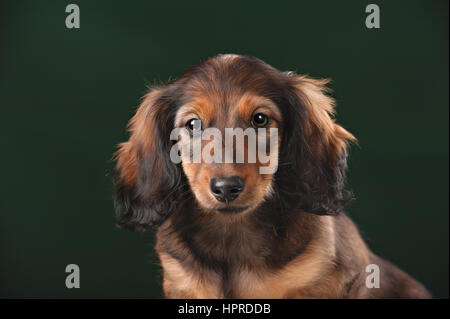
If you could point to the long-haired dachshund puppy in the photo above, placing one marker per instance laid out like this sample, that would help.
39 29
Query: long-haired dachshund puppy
224 229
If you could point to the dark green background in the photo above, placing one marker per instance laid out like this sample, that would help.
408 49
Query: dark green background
66 96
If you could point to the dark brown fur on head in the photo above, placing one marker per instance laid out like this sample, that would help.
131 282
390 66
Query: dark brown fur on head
312 151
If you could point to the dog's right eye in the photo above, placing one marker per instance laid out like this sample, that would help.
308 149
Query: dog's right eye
193 124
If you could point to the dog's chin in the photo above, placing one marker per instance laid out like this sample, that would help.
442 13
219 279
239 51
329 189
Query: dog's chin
232 210
227 209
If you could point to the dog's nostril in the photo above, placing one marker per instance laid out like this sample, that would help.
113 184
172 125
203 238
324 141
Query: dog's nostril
226 189
216 191
235 190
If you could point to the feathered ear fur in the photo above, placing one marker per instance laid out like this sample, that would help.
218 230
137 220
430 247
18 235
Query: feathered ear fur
314 151
147 182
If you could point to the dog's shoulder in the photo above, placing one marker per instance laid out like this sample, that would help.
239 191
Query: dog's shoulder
395 283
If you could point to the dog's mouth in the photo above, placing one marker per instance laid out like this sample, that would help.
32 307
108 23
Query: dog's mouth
232 209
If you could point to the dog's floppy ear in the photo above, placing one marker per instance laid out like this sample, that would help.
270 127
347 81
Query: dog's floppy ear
147 182
315 151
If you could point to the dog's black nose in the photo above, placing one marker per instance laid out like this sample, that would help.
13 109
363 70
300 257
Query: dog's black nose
226 189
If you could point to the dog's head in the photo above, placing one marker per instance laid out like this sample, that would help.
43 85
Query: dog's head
306 160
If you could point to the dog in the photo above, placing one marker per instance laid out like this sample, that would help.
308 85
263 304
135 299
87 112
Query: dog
224 230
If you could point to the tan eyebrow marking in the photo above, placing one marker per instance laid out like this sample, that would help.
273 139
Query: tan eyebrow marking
199 107
184 113
250 103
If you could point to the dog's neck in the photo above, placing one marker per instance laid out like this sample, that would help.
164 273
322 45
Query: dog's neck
266 237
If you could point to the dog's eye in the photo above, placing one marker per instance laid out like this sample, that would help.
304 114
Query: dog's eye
193 124
260 120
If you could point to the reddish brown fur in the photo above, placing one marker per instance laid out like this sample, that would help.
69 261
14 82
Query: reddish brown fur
272 249
139 144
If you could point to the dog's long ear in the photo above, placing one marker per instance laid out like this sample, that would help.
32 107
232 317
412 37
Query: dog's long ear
147 182
315 151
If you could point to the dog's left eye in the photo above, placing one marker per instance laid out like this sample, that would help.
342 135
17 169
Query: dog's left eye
260 120
193 124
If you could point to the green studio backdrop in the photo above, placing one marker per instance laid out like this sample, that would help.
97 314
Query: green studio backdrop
66 96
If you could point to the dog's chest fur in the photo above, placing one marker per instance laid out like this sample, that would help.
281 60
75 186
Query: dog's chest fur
248 259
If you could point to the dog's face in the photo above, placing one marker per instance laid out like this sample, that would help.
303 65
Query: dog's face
232 187
232 92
